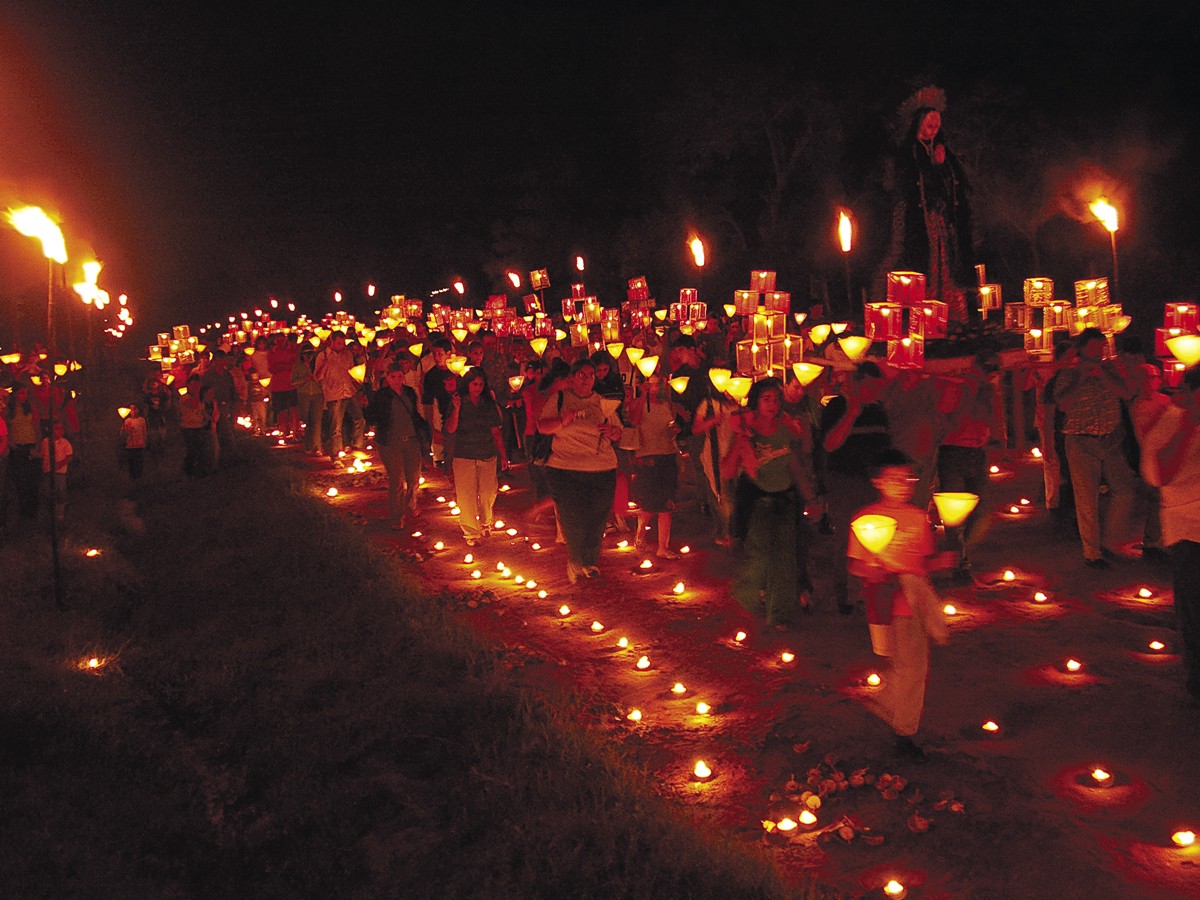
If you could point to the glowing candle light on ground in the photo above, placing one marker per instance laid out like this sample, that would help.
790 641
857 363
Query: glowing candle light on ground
1040 597
476 574
785 825
1157 646
1073 665
542 595
685 549
646 564
678 688
807 818
701 770
417 534
1009 575
623 643
703 708
332 492
990 726
621 545
994 470
439 545
469 558
874 680
895 890
531 584
635 715
597 627
511 532
643 662
950 609
1183 838
1145 593
564 610
1101 777
92 552
678 589
1036 453
787 656
535 546
740 636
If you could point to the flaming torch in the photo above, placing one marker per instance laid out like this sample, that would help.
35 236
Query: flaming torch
32 221
1107 214
846 239
697 247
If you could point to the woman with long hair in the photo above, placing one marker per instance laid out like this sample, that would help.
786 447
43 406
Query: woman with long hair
474 421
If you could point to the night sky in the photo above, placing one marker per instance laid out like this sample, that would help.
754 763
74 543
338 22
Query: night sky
213 158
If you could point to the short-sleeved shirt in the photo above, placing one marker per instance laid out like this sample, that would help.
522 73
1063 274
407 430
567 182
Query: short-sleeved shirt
773 453
579 446
908 552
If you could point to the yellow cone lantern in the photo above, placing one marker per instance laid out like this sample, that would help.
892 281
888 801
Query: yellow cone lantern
807 373
954 506
615 349
719 378
680 383
359 372
538 344
123 411
874 532
739 387
1185 348
646 365
819 334
854 346
456 364
634 354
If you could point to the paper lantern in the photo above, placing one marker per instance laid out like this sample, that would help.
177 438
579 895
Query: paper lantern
905 288
646 365
874 532
634 354
954 506
1182 315
1091 292
807 373
719 378
1039 291
819 334
854 346
1185 348
539 345
739 387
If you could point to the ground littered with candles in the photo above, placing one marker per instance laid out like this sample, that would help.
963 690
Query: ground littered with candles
1075 788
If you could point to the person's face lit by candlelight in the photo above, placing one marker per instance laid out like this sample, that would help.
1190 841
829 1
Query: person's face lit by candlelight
930 126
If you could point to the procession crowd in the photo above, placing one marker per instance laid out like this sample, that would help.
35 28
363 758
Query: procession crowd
604 446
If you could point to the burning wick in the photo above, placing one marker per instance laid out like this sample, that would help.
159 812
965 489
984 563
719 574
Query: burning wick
535 546
1101 777
564 610
635 715
597 627
1009 575
531 584
679 688
1156 646
438 545
1184 838
417 534
468 559
499 524
785 824
476 574
512 532
332 492
787 656
623 643
621 545
1145 593
93 663
643 663
989 725
702 771
1014 509
92 552
506 572
685 549
1036 452
703 708
950 609
678 589
441 499
646 564
895 890
994 470
874 680
740 636
1074 665
542 595
520 579
1040 597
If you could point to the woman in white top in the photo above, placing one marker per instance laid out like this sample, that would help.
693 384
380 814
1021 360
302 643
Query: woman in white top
582 468
656 477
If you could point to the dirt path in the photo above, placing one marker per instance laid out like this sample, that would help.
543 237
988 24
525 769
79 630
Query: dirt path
1013 813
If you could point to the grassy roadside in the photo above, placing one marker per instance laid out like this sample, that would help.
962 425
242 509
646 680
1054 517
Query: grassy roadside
288 715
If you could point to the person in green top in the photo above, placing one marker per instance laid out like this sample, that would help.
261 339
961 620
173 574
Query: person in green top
769 483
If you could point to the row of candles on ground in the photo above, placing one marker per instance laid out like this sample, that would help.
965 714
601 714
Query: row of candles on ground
954 508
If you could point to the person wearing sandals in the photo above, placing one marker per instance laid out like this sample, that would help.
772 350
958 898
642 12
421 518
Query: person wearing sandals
656 476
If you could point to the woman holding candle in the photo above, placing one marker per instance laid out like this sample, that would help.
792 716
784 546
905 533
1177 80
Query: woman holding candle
770 488
401 434
582 469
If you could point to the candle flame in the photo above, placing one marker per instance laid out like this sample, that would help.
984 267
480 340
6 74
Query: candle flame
1100 776
702 770
989 725
635 715
874 680
1184 838
644 662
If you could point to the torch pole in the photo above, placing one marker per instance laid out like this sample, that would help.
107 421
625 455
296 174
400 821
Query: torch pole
1115 285
849 293
59 602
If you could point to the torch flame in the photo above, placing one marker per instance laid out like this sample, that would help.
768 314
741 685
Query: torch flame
1105 212
32 221
697 248
845 231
